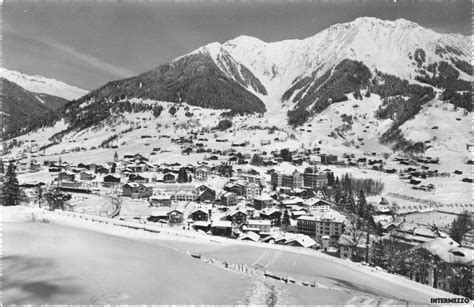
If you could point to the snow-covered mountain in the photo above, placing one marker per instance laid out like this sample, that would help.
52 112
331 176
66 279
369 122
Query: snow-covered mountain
400 48
359 84
40 84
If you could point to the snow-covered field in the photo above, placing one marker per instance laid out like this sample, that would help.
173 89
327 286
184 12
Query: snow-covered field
74 261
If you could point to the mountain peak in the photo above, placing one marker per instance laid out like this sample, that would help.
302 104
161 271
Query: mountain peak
400 22
41 84
245 39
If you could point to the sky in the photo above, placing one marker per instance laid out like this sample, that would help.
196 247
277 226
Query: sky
88 44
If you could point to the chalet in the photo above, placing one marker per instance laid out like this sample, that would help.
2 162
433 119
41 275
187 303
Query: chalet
101 170
292 201
262 201
199 214
135 157
169 178
449 255
249 236
86 176
273 215
137 178
67 176
202 226
137 167
201 173
158 215
160 199
111 180
221 228
259 225
348 249
228 199
136 190
175 216
204 193
317 204
302 241
238 216
82 166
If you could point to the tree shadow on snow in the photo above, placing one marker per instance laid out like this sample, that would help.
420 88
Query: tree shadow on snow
358 287
33 280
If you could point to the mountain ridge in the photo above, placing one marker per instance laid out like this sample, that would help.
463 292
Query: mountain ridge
43 85
292 81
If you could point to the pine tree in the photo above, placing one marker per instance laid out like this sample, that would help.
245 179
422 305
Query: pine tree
379 254
39 194
361 204
351 202
286 219
11 189
56 199
182 175
331 180
460 226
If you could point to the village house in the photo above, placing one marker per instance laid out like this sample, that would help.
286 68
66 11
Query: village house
228 199
66 176
175 216
259 226
111 180
262 201
273 215
413 234
160 199
137 178
85 176
199 214
204 193
100 169
169 178
221 228
160 214
136 190
449 256
249 236
302 241
317 204
201 172
238 216
348 249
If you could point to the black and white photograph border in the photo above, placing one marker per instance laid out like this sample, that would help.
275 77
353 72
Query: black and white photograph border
236 153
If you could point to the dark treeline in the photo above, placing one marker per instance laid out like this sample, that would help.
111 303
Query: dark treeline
347 77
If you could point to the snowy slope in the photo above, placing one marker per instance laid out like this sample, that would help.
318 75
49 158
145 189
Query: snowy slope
40 84
385 46
380 44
